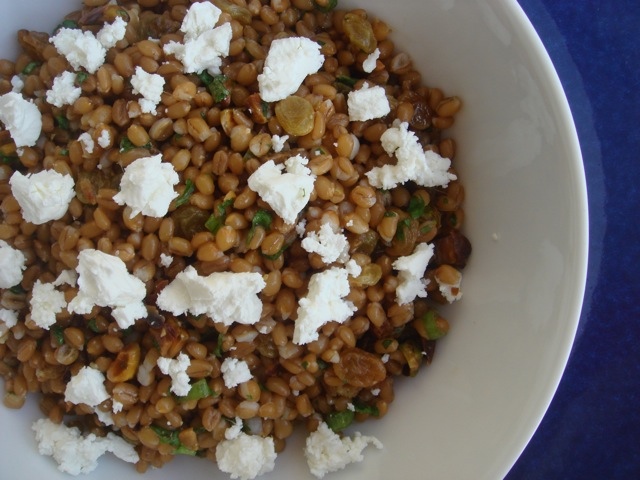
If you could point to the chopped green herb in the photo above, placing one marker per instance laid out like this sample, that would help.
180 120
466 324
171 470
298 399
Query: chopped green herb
345 80
402 226
199 389
218 350
338 421
215 84
386 342
416 206
62 122
58 334
171 437
322 365
276 255
81 77
361 407
30 67
305 364
215 222
390 213
17 290
189 188
264 107
121 12
12 160
64 151
67 23
263 219
325 6
126 145
93 326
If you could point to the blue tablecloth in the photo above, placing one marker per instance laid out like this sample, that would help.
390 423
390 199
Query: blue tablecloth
592 429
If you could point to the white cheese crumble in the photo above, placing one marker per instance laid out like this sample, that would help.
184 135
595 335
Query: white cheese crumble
150 86
246 456
22 118
330 244
81 48
13 264
204 46
287 193
369 64
86 386
104 281
104 140
277 142
75 453
63 91
86 140
324 303
45 303
68 277
147 186
166 260
17 84
234 430
450 291
235 372
288 63
112 33
177 370
367 103
411 281
226 297
424 168
8 319
326 452
42 196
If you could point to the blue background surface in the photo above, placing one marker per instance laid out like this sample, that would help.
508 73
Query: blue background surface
592 428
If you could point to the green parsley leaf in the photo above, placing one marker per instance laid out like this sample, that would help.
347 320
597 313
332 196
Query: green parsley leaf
171 437
338 421
189 188
30 67
58 334
93 326
218 350
81 77
215 222
199 389
325 6
416 206
67 23
346 80
361 407
12 160
62 122
215 84
17 290
263 219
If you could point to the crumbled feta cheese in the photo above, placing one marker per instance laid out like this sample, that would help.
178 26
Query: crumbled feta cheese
150 86
13 264
369 64
166 260
324 303
147 186
288 63
235 372
86 386
234 430
22 118
204 46
81 48
424 168
68 277
112 33
277 142
86 141
104 140
177 370
63 91
106 418
385 358
17 84
330 244
45 303
367 103
200 18
301 228
246 456
450 291
8 319
352 268
104 281
224 296
42 196
411 281
116 406
75 453
375 392
326 452
287 193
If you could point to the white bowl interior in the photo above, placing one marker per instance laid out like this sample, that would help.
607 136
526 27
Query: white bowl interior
471 413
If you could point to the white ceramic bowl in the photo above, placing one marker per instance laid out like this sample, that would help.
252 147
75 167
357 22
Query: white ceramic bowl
471 413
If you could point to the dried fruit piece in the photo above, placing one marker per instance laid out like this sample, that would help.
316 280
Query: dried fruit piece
359 368
359 32
295 115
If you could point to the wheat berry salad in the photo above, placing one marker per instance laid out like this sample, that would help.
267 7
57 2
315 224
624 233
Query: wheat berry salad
220 221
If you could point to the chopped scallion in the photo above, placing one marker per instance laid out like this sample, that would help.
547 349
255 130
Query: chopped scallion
189 188
338 421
